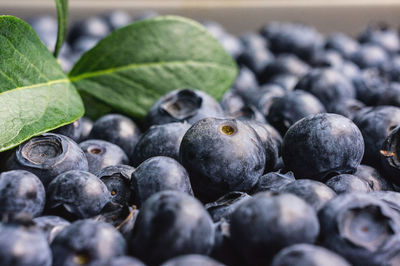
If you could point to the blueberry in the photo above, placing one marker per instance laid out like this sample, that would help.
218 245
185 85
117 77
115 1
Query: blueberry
231 44
327 84
373 178
276 137
101 153
85 241
349 69
383 36
193 260
157 174
370 87
299 39
284 64
119 261
346 183
80 193
370 56
292 107
306 254
342 43
21 191
390 95
347 107
46 29
391 198
47 156
313 192
256 58
183 105
160 140
375 125
170 224
266 223
51 225
223 207
222 155
73 130
389 161
326 58
246 82
117 129
361 228
84 43
265 97
224 250
321 145
117 19
286 81
86 125
273 181
95 27
248 113
117 179
253 40
232 101
23 245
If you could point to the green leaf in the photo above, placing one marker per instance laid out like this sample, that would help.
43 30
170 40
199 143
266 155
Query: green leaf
62 15
35 94
130 69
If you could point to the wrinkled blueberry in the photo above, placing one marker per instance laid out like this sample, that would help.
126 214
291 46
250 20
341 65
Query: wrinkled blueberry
80 193
361 228
158 174
222 155
47 156
117 129
85 241
306 254
224 206
101 153
23 245
313 192
170 224
183 105
273 181
21 191
346 183
264 224
321 145
51 225
117 179
160 140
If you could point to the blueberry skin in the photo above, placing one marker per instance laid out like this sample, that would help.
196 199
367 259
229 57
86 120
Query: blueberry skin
51 225
72 130
21 191
375 125
273 181
21 246
345 107
170 224
117 129
342 43
370 87
248 113
47 156
391 198
346 183
157 174
362 229
332 143
101 153
117 179
193 260
86 125
390 163
284 64
222 155
391 95
223 207
232 102
85 241
296 38
308 255
80 193
370 175
183 105
313 192
119 261
264 224
265 97
327 84
160 140
292 107
370 56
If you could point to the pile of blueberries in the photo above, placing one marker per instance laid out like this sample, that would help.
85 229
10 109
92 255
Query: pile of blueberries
297 165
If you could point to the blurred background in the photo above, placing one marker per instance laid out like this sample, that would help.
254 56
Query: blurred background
237 16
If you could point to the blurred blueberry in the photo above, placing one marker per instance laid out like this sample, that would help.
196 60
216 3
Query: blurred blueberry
346 183
51 225
342 43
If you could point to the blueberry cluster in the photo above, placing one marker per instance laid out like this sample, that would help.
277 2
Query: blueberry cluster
296 165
